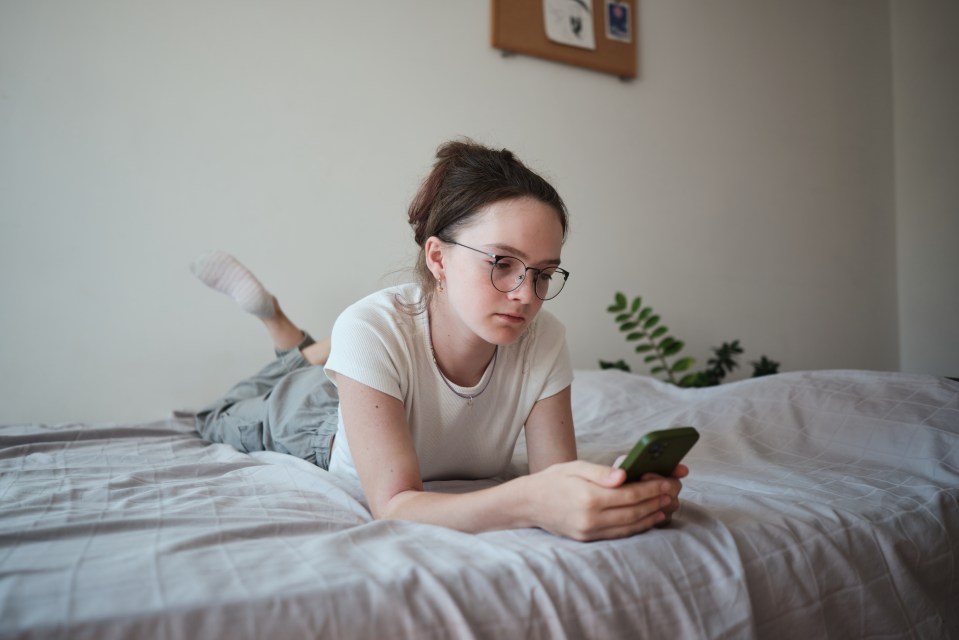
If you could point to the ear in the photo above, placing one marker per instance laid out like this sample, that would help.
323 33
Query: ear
435 258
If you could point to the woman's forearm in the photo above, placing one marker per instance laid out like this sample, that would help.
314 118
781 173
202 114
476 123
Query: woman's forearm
503 506
576 499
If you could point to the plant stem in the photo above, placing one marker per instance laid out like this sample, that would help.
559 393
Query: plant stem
662 358
669 374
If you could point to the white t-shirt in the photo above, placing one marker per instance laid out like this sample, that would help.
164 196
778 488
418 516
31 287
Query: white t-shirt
383 345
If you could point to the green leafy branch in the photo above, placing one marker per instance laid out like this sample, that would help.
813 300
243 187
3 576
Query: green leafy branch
641 325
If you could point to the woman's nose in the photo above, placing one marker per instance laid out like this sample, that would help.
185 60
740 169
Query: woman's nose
525 292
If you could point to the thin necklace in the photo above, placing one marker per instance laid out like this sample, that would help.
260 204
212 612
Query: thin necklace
465 396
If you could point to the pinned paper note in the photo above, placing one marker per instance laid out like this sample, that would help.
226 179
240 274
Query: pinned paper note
570 22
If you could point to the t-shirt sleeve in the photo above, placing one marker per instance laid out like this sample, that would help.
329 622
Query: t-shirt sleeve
553 353
366 346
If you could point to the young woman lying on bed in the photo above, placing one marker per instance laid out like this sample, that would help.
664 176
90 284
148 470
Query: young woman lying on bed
434 380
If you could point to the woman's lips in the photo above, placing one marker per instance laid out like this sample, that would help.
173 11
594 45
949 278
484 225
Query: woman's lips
508 317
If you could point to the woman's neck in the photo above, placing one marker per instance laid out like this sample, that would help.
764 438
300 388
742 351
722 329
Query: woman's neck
461 355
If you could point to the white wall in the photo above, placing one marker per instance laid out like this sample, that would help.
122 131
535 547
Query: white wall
926 98
743 185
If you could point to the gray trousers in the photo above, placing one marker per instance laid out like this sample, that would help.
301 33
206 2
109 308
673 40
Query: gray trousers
289 406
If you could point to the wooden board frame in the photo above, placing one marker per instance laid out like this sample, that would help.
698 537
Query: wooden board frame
518 26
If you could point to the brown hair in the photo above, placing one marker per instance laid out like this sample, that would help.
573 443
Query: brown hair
465 178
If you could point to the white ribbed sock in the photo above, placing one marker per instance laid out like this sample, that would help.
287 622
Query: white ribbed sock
221 271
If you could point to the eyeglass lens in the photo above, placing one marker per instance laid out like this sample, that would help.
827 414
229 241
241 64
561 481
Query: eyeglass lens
509 273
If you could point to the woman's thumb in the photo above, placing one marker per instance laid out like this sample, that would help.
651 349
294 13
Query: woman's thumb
601 474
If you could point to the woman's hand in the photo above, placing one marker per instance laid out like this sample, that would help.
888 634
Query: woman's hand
587 501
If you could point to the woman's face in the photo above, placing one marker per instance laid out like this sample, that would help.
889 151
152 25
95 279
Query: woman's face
523 228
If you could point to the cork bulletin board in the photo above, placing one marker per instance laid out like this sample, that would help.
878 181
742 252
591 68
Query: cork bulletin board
595 34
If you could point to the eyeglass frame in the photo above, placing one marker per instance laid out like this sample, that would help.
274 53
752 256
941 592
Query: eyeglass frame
496 258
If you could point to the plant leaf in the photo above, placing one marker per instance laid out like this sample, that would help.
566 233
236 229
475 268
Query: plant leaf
628 326
682 365
652 321
650 358
635 336
688 380
637 303
619 364
764 367
643 348
660 330
645 313
675 347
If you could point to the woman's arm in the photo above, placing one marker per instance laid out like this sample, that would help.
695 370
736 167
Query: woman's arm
577 499
550 438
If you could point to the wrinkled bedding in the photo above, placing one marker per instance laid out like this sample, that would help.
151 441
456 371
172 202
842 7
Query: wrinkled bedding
820 504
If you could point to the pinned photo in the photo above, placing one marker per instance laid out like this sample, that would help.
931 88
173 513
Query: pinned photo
570 22
617 21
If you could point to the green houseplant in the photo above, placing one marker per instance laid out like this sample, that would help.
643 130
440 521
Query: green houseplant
662 352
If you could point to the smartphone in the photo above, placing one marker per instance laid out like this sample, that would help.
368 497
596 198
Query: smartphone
659 452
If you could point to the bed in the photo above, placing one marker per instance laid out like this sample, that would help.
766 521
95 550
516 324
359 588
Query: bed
820 504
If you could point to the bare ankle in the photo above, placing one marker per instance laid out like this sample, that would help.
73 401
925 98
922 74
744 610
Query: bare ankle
284 333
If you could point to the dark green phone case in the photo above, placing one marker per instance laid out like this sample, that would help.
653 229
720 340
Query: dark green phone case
659 452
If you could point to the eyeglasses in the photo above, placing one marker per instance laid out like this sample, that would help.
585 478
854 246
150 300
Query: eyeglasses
508 274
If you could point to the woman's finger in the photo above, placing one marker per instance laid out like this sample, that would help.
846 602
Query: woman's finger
630 527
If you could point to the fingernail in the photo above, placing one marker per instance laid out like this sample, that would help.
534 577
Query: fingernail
664 487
